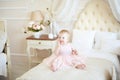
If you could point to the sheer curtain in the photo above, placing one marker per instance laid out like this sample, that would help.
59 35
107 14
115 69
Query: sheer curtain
115 7
66 12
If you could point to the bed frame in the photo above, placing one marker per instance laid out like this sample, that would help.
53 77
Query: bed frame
97 16
6 48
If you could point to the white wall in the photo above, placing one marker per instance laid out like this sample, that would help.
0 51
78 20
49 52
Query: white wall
17 14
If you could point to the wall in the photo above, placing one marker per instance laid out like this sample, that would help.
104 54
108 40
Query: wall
17 14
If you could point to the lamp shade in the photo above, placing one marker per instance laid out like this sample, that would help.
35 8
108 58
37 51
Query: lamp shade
37 16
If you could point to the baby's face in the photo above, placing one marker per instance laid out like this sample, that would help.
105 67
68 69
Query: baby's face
63 38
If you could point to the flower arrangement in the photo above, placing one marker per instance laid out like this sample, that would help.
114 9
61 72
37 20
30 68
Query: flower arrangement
39 22
35 27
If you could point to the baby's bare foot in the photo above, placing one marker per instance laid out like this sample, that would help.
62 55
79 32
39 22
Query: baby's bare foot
81 66
53 69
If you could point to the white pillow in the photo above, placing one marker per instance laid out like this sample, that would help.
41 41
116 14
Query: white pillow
111 46
99 36
3 38
83 40
118 36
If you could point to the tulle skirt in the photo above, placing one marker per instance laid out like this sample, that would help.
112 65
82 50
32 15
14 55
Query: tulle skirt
64 61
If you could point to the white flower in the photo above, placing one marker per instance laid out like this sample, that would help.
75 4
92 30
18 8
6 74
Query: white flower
35 27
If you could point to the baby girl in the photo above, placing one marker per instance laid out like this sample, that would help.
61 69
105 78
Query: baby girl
65 56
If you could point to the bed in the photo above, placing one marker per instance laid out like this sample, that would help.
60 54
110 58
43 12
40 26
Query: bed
93 34
4 50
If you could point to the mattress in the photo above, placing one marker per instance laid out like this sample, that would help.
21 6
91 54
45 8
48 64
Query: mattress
96 68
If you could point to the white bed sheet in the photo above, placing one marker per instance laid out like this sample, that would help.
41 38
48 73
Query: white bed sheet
100 54
97 68
3 67
103 55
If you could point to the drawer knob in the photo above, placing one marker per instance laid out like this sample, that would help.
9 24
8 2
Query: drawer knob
39 43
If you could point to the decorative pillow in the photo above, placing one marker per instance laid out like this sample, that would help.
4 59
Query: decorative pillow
83 40
3 38
99 36
111 46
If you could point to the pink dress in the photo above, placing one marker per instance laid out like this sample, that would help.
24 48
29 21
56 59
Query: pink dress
64 59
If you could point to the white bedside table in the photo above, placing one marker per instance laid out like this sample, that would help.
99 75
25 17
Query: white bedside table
39 43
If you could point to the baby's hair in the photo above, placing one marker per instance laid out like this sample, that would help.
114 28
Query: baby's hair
64 31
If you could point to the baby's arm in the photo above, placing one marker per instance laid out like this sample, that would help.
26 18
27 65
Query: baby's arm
56 50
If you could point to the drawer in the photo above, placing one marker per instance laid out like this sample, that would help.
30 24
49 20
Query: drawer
40 42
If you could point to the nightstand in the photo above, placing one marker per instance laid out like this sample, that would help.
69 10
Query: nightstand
39 43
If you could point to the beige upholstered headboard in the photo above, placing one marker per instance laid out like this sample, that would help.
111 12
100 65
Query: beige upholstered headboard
97 15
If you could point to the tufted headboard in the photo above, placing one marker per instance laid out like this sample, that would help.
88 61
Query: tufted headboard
97 15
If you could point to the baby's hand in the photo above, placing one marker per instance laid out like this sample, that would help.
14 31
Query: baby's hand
74 52
59 42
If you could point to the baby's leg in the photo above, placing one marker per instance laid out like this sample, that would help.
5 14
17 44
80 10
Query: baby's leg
53 68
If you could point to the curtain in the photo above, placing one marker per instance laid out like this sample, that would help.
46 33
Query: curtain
115 7
66 12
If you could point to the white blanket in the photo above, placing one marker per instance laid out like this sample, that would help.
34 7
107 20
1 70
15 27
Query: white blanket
3 61
97 69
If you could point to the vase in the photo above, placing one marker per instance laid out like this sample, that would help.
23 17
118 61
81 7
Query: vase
37 34
50 36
